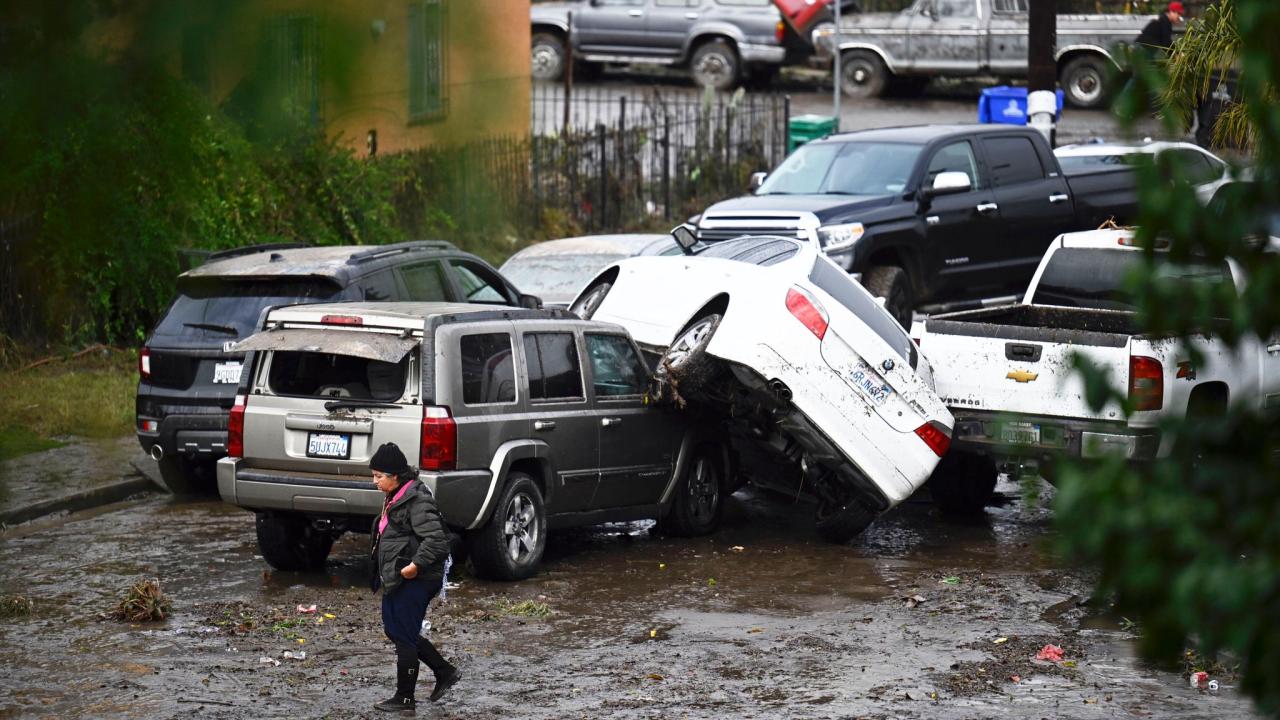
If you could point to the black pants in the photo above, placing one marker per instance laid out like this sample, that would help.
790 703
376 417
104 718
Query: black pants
403 610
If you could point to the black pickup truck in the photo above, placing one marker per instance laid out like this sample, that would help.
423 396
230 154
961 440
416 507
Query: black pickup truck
927 213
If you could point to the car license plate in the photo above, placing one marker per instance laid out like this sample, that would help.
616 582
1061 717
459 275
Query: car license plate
1020 434
869 384
227 372
326 445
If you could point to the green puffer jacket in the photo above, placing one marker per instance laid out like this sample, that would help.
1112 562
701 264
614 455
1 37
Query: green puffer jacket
415 533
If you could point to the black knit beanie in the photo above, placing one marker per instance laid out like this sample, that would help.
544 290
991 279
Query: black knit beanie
389 460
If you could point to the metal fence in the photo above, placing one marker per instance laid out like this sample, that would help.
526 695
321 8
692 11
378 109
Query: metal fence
18 235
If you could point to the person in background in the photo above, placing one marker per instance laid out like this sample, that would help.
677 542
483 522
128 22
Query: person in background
1158 34
410 556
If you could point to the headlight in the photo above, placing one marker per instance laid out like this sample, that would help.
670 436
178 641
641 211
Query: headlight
839 237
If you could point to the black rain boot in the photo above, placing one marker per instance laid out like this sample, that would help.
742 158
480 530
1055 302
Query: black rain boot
446 674
406 680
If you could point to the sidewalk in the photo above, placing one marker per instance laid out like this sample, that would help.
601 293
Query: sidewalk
83 474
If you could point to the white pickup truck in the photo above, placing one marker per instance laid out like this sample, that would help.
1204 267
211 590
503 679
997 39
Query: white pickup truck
1006 372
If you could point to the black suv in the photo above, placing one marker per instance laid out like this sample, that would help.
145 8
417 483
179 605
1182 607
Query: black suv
188 374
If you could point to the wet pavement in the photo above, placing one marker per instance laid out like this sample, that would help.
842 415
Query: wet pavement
79 466
759 620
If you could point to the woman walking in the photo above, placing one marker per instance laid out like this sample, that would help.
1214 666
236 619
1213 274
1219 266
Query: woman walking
410 548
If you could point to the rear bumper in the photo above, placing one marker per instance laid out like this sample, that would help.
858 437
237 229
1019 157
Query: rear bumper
198 436
460 494
980 432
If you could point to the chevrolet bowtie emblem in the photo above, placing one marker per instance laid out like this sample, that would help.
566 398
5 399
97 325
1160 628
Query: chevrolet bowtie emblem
1022 376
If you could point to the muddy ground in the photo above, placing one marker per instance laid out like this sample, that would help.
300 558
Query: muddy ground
759 620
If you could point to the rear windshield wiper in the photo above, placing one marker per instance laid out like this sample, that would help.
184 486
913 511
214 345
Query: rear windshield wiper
213 326
352 404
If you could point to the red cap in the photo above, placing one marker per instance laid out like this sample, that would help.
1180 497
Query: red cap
1176 6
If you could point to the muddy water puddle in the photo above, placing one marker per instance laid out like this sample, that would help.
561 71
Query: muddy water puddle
759 620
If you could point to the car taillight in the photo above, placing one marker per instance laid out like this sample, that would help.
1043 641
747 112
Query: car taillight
936 435
1146 383
439 440
144 363
808 311
235 428
780 32
341 320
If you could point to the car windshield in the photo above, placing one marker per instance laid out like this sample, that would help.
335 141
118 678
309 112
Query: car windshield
341 377
851 168
1097 278
222 309
846 291
556 276
763 251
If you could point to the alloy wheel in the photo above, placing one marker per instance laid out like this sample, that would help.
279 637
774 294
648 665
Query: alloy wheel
520 528
704 491
682 349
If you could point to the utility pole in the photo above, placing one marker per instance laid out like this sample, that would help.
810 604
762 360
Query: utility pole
835 72
1042 75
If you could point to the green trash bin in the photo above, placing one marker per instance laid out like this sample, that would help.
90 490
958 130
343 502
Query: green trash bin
803 128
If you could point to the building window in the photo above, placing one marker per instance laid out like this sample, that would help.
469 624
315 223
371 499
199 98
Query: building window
293 60
428 99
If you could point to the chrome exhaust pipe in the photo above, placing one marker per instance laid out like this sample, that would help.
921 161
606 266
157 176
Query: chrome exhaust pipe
157 452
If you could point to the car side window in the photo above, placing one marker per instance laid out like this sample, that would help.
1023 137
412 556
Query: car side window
424 282
378 287
1196 166
1012 160
488 369
478 284
954 8
616 368
620 3
553 367
955 157
1009 6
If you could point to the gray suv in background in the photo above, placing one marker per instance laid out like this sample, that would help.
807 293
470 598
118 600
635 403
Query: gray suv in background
719 41
518 420
188 371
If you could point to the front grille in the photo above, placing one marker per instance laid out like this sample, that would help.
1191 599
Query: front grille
716 227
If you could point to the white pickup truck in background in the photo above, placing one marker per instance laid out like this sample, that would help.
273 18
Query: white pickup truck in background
1007 376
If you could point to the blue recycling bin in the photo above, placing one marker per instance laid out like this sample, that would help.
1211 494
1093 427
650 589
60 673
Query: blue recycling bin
1008 105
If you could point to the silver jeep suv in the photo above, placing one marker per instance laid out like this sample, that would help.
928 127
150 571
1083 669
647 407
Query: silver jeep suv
520 420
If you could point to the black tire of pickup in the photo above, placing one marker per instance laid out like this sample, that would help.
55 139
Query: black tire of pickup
963 483
1084 82
891 283
714 64
519 516
182 477
288 542
548 56
862 75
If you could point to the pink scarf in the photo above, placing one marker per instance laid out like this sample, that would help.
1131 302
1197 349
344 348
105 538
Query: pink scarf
382 524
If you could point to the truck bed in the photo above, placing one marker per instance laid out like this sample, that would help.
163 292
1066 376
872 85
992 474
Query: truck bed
1040 323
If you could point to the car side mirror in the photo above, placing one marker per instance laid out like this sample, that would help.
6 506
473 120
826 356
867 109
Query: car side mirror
948 183
757 179
533 302
685 237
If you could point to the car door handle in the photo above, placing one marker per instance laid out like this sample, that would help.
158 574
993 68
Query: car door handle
610 422
1058 197
691 16
544 424
987 207
636 13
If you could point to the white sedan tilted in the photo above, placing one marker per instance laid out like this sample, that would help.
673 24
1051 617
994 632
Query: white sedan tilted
808 366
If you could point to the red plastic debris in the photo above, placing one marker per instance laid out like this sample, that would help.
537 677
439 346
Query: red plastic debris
307 609
1052 653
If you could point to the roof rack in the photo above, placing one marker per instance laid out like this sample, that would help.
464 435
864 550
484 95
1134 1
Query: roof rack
381 251
250 249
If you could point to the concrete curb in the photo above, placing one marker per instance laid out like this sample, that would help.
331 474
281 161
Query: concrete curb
101 495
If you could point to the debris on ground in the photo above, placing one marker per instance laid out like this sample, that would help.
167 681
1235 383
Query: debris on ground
737 548
12 606
264 660
1051 653
1012 661
144 602
291 655
307 609
952 580
913 600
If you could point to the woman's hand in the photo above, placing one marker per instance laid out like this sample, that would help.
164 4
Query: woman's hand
409 572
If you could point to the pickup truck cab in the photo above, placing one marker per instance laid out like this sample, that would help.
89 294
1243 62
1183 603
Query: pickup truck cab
928 212
964 38
1006 373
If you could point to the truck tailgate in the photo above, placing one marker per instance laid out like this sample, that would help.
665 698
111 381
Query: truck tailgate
984 365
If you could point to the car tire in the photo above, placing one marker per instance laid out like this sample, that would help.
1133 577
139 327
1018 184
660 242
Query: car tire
548 57
588 302
1084 82
891 283
687 360
289 542
698 504
963 483
510 545
862 75
840 523
183 477
714 64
